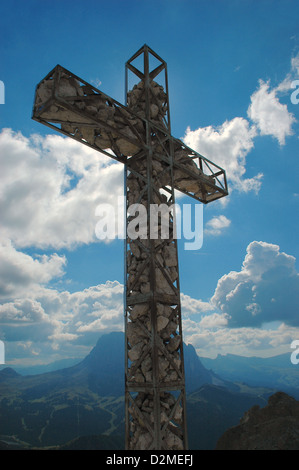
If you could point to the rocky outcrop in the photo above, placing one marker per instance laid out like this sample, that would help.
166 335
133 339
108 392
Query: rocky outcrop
274 427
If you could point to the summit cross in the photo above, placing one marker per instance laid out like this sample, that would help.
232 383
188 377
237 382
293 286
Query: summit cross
156 164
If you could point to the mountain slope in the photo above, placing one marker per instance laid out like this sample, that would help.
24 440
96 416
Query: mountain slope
79 404
276 372
274 427
211 410
87 398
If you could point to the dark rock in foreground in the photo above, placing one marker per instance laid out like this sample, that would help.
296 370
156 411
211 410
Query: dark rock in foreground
274 427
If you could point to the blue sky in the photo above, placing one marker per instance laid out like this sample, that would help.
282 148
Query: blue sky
231 66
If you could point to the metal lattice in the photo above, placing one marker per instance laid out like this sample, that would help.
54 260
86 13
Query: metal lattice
156 164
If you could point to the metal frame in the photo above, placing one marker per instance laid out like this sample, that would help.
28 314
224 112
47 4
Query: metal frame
153 145
156 347
217 184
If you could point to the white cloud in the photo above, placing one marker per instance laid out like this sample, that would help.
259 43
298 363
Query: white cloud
227 146
50 187
215 320
20 273
46 320
191 306
266 288
216 225
257 307
56 324
86 314
209 341
286 84
25 320
270 116
45 324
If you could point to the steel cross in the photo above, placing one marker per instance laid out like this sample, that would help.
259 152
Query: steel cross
156 164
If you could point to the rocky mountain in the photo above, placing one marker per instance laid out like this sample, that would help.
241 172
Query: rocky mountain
8 373
83 405
274 427
274 372
212 409
85 399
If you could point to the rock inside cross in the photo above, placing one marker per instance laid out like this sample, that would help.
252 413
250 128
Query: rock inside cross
156 164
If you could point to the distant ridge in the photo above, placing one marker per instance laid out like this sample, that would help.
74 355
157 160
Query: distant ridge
104 367
82 406
8 373
275 372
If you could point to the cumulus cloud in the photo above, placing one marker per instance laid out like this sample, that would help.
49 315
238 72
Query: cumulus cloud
84 315
50 187
227 146
216 225
209 341
44 321
20 272
50 324
270 116
49 190
266 289
191 306
46 324
213 321
26 320
253 311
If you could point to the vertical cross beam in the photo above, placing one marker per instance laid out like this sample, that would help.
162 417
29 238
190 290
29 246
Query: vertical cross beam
155 402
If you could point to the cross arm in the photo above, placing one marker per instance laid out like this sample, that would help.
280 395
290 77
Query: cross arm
73 107
196 176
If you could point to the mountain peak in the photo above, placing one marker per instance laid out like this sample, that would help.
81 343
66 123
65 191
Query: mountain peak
107 354
106 360
8 373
